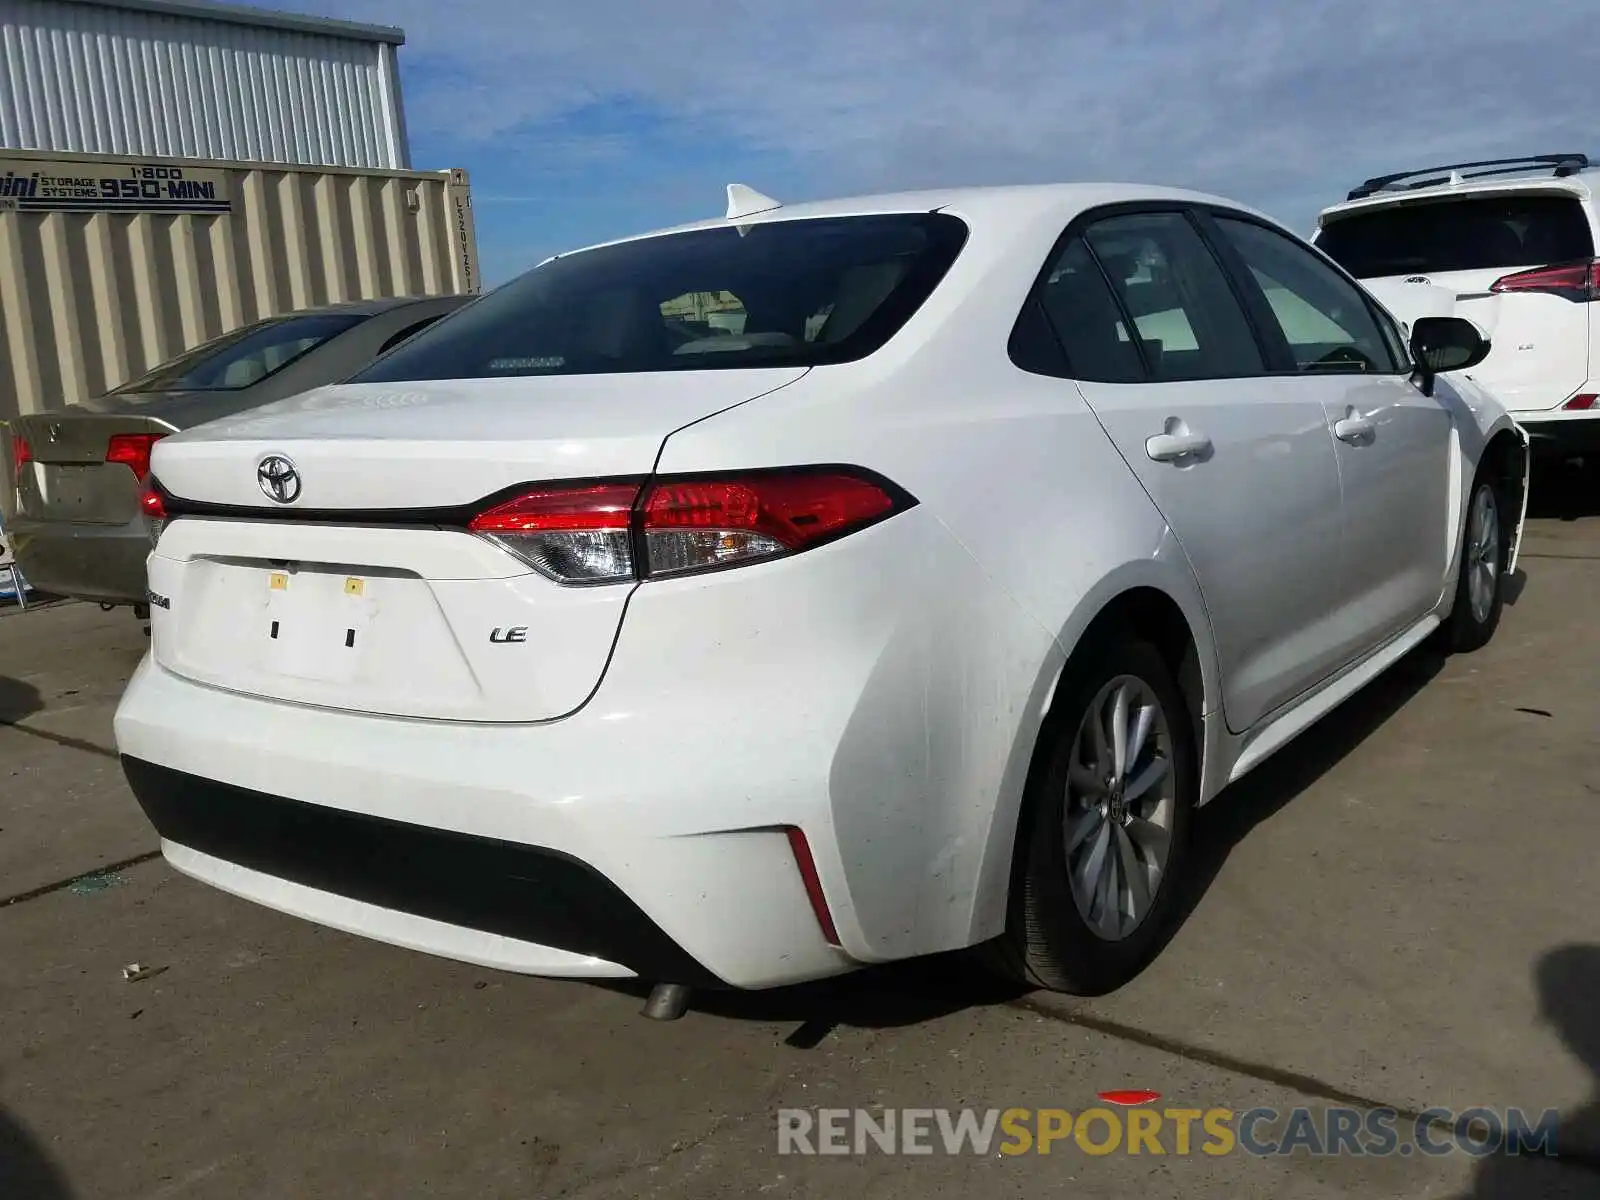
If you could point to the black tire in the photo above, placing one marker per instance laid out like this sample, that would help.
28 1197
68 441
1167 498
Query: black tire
1050 942
1469 626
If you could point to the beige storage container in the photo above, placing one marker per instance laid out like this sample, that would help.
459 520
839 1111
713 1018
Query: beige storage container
109 266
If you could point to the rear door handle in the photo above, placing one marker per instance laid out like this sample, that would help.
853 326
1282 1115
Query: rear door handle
1354 427
1168 447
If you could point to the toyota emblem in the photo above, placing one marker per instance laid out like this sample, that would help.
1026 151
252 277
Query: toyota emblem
278 479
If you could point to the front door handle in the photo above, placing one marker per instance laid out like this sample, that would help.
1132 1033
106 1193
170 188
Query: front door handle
1169 447
1354 427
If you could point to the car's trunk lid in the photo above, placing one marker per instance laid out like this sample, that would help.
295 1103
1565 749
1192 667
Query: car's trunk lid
69 477
367 593
420 446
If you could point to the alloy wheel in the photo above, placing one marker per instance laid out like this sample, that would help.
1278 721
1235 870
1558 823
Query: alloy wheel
1483 553
1120 806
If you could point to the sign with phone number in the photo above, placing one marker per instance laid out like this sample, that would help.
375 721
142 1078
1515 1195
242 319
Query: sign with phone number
28 185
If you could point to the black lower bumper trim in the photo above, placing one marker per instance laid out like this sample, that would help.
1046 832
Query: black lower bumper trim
524 892
1564 438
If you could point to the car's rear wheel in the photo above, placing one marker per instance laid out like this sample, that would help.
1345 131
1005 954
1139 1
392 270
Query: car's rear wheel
1104 847
1480 584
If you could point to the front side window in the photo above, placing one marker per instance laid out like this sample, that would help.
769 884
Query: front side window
244 357
1188 322
1324 317
1397 337
779 293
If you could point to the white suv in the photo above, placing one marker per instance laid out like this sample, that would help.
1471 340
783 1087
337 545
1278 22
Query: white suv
1509 244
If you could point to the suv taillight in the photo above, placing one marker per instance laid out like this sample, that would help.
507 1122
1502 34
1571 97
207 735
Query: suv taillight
133 451
1579 281
21 452
618 530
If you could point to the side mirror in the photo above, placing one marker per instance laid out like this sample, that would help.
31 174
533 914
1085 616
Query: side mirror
1440 344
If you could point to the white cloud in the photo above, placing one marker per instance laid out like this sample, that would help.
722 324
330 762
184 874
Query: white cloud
1284 101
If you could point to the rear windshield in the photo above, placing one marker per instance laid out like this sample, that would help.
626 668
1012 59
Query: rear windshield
245 356
1485 234
785 293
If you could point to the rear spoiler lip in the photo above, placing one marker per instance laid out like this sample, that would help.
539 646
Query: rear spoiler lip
1377 201
455 516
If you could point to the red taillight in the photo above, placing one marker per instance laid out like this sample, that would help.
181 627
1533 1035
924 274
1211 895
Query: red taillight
1581 403
1575 281
573 535
588 533
565 509
691 525
132 450
21 452
154 508
807 867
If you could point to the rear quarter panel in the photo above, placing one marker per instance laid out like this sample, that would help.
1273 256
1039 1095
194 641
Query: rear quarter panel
1043 525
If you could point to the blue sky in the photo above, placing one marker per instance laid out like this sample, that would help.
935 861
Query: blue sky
587 120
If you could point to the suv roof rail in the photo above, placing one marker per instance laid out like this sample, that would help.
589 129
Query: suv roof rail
1563 165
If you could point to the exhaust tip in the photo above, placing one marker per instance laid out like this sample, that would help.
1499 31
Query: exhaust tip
668 1001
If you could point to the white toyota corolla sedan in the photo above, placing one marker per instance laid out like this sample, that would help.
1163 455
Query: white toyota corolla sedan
811 587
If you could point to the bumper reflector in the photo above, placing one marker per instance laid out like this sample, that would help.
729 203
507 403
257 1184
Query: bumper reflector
813 882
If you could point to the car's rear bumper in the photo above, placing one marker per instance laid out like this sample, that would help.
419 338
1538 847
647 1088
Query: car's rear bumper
494 845
498 903
87 562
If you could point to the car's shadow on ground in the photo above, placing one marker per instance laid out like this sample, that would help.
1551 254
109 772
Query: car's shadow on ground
1564 490
36 599
26 1171
926 989
901 994
1230 818
1568 979
18 700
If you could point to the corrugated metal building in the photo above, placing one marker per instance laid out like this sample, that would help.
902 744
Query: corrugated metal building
194 79
109 267
173 169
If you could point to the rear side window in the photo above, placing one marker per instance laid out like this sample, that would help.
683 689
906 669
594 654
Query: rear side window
1085 317
781 293
1482 234
246 356
1188 322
